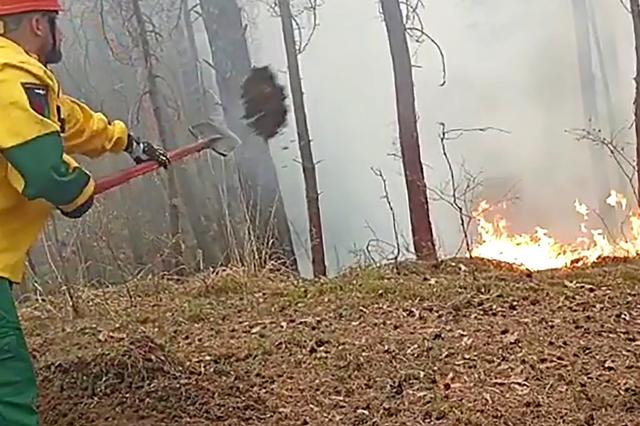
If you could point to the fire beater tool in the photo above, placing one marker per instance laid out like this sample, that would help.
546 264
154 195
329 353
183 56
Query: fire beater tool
265 111
208 135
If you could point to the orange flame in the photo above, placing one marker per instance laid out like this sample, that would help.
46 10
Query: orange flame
540 251
616 198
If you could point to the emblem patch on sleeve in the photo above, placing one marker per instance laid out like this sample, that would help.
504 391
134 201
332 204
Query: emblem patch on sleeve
38 97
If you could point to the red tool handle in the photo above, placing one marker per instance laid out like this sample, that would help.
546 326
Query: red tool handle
125 176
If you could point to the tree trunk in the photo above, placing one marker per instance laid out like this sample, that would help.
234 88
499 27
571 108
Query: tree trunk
585 61
219 176
59 247
304 142
635 13
232 62
134 233
167 135
590 104
422 232
605 63
196 107
164 133
207 234
191 74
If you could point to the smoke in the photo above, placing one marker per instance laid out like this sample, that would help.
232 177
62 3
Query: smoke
512 65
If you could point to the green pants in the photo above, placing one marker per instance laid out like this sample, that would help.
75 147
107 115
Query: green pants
18 386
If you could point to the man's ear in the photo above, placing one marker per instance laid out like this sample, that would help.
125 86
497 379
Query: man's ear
38 24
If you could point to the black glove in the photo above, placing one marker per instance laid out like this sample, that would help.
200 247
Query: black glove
142 151
80 211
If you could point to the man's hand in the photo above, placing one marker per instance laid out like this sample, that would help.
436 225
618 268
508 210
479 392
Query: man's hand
142 151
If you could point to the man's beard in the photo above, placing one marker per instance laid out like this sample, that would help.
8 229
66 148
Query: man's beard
53 56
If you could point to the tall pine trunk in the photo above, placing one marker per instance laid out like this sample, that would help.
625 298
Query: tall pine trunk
218 177
635 13
304 141
165 133
205 209
591 111
232 62
422 232
607 60
168 138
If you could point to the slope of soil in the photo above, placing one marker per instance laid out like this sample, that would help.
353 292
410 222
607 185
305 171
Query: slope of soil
454 344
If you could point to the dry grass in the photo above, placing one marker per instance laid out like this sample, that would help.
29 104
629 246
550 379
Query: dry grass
420 346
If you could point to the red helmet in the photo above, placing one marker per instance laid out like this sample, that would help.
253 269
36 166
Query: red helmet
13 7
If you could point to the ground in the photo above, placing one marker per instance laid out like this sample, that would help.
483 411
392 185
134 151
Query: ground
458 343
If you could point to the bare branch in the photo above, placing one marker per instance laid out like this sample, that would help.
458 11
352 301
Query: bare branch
460 197
454 193
416 30
394 220
299 9
412 31
452 134
616 151
625 6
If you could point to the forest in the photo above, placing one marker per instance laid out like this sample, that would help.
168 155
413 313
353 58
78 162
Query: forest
268 200
445 230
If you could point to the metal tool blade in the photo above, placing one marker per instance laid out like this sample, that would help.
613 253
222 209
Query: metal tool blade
223 141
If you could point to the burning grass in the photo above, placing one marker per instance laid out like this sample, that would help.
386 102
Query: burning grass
461 343
539 250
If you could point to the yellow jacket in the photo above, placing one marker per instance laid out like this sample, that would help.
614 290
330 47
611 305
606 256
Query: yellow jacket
39 127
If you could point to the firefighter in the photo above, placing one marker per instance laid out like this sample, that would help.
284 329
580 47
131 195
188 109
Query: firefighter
39 129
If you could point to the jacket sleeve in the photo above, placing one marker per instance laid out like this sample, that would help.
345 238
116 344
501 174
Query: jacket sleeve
31 144
90 133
